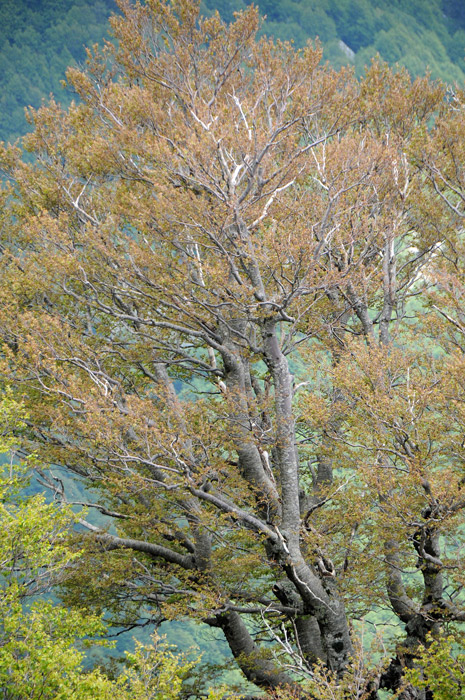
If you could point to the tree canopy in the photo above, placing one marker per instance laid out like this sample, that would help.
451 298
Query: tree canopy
231 304
39 40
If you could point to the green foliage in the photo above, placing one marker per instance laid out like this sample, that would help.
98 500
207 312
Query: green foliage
39 657
42 658
455 10
37 44
440 668
156 672
42 644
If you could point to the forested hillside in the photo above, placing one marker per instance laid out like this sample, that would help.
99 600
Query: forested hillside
38 40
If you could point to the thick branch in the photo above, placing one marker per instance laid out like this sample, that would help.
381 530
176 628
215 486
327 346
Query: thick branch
154 550
255 668
402 604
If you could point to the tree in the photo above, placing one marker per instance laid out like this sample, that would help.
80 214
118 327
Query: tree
39 654
231 303
42 643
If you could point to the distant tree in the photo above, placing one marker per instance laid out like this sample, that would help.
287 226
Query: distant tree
232 288
455 10
355 20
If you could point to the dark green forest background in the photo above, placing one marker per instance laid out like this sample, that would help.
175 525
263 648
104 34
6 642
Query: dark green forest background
40 38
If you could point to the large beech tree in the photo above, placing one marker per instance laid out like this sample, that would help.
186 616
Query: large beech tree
231 300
